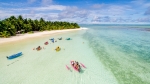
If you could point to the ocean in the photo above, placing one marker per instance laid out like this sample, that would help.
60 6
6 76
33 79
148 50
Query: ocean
112 54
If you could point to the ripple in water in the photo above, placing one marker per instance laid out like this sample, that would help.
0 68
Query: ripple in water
123 50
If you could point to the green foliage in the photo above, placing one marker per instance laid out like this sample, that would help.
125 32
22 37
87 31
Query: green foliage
4 34
10 26
30 32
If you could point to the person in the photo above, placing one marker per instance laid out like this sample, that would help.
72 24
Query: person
75 64
78 67
46 43
38 48
72 63
58 48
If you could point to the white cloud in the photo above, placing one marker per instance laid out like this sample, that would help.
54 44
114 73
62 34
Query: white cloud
51 7
47 2
43 2
132 12
147 12
69 12
98 5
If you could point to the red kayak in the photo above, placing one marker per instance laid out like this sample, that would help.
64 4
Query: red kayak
74 67
46 43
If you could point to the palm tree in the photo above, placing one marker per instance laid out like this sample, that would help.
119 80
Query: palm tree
4 34
9 26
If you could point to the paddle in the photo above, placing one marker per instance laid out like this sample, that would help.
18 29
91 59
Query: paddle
67 67
83 65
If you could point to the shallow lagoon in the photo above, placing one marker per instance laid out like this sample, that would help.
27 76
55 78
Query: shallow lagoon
113 54
48 66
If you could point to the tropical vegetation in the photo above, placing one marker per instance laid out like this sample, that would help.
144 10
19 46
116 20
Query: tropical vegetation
14 25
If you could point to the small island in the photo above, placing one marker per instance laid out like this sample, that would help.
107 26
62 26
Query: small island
18 25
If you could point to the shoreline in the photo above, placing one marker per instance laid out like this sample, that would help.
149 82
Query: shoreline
35 34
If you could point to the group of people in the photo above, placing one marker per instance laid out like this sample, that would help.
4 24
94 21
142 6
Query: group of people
76 65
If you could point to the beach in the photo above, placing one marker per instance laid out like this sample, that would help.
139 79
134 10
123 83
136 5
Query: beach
27 36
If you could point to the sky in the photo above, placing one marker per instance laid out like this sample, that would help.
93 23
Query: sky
79 11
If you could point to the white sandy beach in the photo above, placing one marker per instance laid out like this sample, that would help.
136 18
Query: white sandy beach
25 36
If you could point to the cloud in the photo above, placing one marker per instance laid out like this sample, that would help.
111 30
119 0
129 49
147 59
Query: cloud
48 16
97 6
101 19
37 9
131 12
43 2
147 12
69 12
111 19
47 2
51 7
145 19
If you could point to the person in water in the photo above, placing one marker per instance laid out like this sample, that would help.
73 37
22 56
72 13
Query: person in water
76 65
72 63
46 43
38 48
58 48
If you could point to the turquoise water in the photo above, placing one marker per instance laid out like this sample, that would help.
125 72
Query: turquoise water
48 66
124 50
113 54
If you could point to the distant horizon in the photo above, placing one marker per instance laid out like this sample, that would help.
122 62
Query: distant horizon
117 23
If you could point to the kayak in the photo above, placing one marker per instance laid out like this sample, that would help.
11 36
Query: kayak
60 38
58 49
68 38
46 43
52 39
73 66
14 55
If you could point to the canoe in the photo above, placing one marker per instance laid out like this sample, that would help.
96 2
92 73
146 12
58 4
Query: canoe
14 55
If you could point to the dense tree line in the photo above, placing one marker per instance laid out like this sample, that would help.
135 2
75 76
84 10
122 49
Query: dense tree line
13 25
